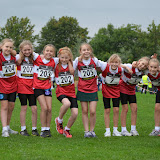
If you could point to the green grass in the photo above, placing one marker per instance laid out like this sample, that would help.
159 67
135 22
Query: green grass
59 147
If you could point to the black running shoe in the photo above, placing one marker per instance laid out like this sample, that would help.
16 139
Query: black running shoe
43 134
48 133
35 132
24 133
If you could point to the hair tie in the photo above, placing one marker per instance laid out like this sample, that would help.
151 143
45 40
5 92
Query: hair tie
60 50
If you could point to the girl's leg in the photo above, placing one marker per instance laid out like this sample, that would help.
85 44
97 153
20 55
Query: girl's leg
106 117
73 117
66 104
34 116
4 112
157 115
115 116
49 110
84 106
92 109
23 115
133 113
10 110
124 114
43 115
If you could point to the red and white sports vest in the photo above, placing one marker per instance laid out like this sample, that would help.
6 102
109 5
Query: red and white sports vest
65 82
8 82
88 81
110 85
25 78
128 82
42 73
155 80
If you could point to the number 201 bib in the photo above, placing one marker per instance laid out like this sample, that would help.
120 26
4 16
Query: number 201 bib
135 79
44 72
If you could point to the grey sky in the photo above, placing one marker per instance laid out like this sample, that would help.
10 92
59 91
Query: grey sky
92 14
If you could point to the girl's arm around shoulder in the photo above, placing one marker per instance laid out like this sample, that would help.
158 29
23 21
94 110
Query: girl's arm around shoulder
127 68
71 69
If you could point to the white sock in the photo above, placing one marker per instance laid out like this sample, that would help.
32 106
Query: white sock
157 128
23 128
66 128
47 128
34 128
133 128
8 127
43 128
107 129
115 128
60 120
4 129
124 129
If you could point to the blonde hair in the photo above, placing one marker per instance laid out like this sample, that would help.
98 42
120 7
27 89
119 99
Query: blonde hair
154 60
50 45
144 58
25 43
114 57
6 40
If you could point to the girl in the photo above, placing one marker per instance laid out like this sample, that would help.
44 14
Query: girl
65 91
25 87
127 94
8 85
87 87
154 76
43 71
111 73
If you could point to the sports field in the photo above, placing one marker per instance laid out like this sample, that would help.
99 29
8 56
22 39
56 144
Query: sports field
59 147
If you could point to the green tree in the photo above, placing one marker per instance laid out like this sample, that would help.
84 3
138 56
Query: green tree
62 32
18 29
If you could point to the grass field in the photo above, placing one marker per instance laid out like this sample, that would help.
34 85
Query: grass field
59 147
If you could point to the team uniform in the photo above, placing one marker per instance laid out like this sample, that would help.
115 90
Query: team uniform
65 85
8 82
156 82
43 72
128 83
87 84
25 82
110 84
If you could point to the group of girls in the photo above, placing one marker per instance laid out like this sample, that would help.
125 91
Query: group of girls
33 81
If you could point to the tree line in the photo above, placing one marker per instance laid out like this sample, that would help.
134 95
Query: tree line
130 41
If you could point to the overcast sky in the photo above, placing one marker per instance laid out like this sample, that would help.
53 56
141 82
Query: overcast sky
91 14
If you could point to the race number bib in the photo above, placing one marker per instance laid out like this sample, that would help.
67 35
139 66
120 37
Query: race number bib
135 79
112 79
88 72
27 69
44 72
65 79
156 82
9 68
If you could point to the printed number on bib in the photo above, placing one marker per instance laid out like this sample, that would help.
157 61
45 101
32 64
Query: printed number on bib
156 82
8 70
134 80
112 80
65 80
27 70
88 73
44 72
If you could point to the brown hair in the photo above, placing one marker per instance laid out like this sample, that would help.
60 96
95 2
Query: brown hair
114 57
50 45
24 43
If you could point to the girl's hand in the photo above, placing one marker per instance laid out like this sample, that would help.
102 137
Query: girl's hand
42 56
129 70
154 56
134 64
13 53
